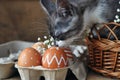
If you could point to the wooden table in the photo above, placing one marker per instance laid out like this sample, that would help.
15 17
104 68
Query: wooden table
91 76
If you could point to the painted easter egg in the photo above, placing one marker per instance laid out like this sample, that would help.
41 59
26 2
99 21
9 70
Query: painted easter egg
29 57
40 47
70 55
54 57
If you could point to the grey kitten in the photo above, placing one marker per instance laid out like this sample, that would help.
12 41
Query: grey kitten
68 19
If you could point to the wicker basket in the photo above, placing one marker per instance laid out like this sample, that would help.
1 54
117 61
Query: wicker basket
104 52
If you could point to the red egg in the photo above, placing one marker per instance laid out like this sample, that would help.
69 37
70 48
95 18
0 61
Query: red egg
68 53
40 47
54 57
29 57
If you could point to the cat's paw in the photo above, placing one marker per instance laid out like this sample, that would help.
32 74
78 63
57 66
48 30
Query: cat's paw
78 50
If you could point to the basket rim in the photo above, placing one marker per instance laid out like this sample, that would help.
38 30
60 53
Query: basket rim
106 25
104 44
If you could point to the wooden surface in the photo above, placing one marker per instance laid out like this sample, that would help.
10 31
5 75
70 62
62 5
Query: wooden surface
91 76
96 76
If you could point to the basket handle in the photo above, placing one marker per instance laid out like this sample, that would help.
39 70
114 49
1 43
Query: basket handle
111 31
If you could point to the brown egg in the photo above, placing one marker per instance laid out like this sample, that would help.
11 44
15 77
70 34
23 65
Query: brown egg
68 53
29 57
40 47
54 57
70 56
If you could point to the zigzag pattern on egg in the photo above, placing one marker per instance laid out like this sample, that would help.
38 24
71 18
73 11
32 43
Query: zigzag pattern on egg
54 57
58 61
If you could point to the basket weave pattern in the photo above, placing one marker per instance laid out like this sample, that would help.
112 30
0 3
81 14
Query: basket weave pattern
104 54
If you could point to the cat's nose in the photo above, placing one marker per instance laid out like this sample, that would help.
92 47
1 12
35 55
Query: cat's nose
58 35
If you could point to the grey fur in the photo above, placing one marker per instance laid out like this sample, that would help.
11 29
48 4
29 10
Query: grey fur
84 14
68 19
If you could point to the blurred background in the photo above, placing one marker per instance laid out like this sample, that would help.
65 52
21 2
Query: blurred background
22 20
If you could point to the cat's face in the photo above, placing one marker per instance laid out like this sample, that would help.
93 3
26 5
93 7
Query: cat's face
65 20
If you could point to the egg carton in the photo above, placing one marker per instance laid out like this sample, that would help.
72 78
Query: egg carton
35 73
6 70
8 53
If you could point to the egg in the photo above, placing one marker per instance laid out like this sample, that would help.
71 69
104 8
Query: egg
68 52
39 44
109 31
54 57
70 55
40 47
29 57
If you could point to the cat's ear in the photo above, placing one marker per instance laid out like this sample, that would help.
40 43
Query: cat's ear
48 5
80 2
66 3
62 3
74 2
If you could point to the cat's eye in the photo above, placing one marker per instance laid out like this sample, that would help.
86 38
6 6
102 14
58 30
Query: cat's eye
65 13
